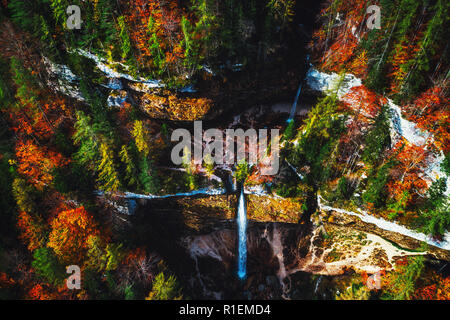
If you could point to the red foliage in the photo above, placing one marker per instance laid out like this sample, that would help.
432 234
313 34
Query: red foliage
408 174
437 291
166 16
341 37
37 162
364 101
40 292
430 112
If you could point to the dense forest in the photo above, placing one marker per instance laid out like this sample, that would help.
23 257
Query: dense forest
87 115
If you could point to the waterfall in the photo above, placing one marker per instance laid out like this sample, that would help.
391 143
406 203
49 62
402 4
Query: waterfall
242 226
294 105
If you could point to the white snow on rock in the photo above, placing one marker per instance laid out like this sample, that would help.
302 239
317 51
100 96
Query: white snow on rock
390 226
117 98
62 71
63 79
114 84
324 82
400 127
404 128
107 70
204 191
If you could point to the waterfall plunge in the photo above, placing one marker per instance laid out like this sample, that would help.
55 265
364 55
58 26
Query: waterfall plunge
242 231
294 105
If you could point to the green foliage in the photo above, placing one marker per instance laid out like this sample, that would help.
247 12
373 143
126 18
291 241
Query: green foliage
289 133
208 164
422 62
108 176
165 288
25 195
46 265
376 186
85 136
125 38
129 293
318 139
26 83
377 139
243 170
357 291
148 177
158 58
398 207
445 165
96 153
29 15
403 280
343 189
141 137
103 257
131 172
434 218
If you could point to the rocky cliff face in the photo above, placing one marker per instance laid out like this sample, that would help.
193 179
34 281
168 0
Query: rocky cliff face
285 260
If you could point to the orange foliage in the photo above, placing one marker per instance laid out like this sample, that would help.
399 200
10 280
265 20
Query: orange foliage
359 65
6 281
39 120
37 162
166 16
40 292
407 175
344 37
364 101
70 232
32 229
437 291
430 112
403 53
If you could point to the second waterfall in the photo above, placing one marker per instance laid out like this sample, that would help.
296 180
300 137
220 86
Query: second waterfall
242 233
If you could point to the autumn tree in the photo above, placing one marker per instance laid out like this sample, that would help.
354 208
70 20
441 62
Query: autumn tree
165 288
70 231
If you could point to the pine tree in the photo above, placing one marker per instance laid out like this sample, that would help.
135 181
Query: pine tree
377 139
141 137
148 176
130 167
434 218
125 39
376 193
85 136
46 265
25 195
108 177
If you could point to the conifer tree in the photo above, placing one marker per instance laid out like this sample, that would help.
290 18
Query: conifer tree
46 265
108 177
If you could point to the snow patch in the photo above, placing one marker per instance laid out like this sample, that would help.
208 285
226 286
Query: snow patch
324 82
390 226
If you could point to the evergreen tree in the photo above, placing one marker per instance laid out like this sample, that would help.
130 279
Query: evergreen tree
130 167
402 283
434 218
376 186
46 265
165 288
377 139
108 177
